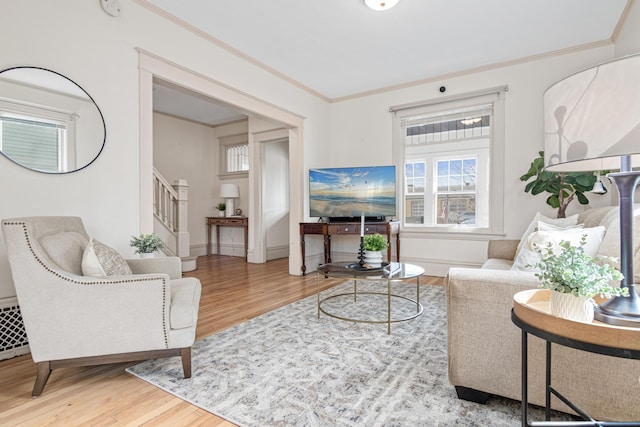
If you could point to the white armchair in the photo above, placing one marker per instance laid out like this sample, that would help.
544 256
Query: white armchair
76 320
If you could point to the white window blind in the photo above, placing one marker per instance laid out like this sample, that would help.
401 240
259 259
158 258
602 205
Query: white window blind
237 158
32 142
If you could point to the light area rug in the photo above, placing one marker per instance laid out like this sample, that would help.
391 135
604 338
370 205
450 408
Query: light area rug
290 368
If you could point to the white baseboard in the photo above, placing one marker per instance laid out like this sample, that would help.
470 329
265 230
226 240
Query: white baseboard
278 252
225 249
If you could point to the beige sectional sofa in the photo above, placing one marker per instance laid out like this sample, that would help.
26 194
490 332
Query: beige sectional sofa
484 344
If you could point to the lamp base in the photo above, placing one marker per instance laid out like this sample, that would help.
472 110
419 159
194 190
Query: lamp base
230 211
620 311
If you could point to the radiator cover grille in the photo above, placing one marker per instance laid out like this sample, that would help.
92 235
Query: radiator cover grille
13 336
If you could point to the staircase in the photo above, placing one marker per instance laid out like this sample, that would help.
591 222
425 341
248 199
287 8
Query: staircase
170 208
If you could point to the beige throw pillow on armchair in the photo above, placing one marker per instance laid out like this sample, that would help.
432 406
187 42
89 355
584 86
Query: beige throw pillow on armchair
99 260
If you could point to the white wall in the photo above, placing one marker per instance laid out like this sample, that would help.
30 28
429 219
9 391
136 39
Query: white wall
275 198
99 52
231 238
628 40
187 150
361 135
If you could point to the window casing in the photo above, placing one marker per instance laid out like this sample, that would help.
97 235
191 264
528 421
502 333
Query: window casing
234 155
38 138
453 159
237 158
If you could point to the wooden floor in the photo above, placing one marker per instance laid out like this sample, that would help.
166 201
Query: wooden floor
232 292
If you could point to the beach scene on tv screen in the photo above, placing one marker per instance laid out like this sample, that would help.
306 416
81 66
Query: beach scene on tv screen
352 192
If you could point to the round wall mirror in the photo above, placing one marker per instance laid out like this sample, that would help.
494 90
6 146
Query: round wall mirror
48 123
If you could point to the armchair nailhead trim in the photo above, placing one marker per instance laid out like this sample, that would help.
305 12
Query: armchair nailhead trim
78 282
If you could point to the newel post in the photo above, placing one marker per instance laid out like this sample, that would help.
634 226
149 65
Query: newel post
182 211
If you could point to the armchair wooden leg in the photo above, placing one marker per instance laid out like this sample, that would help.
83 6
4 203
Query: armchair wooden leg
185 353
42 375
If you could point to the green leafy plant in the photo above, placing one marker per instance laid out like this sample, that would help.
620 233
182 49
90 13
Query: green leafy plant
563 187
221 206
572 271
374 242
146 243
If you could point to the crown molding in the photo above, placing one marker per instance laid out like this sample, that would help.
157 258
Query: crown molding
196 31
474 70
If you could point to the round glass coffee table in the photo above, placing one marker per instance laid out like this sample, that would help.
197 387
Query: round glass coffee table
391 274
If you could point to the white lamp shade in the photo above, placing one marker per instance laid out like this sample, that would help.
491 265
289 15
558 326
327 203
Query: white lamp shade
229 191
381 4
592 118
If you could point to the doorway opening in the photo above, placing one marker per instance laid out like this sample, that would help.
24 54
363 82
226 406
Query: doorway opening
290 130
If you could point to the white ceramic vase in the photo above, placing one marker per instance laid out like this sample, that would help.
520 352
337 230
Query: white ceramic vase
221 213
373 258
148 255
568 306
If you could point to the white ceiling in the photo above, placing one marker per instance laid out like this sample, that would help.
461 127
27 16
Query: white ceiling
180 102
340 48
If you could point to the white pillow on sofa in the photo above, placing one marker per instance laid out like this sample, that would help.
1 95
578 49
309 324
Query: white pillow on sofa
533 226
528 257
99 260
543 226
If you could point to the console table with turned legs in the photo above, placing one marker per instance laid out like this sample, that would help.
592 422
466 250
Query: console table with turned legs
389 229
228 221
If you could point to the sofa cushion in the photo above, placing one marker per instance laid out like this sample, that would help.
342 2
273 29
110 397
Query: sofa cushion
65 250
527 257
497 264
543 226
99 260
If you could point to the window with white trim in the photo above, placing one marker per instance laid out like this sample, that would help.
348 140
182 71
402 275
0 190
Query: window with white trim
38 138
452 155
237 158
234 155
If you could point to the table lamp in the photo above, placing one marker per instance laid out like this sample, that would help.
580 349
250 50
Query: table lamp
592 123
229 192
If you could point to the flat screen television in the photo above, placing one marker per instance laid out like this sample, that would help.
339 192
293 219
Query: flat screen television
343 194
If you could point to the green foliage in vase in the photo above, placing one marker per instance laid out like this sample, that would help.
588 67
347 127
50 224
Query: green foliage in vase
375 242
563 187
146 243
221 206
572 271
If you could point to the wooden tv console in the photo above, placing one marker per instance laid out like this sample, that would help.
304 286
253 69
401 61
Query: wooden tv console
391 228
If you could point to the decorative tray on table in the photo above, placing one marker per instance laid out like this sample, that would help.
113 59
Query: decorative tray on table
532 307
367 267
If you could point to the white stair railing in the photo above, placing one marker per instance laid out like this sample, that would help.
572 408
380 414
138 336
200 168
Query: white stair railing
165 201
170 209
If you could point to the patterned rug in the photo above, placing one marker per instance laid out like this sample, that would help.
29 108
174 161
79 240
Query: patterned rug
289 368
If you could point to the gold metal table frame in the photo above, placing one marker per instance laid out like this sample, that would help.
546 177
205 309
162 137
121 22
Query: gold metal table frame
395 272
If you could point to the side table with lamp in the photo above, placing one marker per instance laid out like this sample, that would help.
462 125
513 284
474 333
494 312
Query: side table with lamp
591 123
532 315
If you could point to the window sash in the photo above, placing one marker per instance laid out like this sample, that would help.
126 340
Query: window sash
237 158
492 217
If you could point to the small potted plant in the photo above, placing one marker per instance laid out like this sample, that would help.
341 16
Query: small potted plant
575 278
146 244
374 244
221 207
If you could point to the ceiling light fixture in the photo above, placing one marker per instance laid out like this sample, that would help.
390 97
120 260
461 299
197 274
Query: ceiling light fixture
381 4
